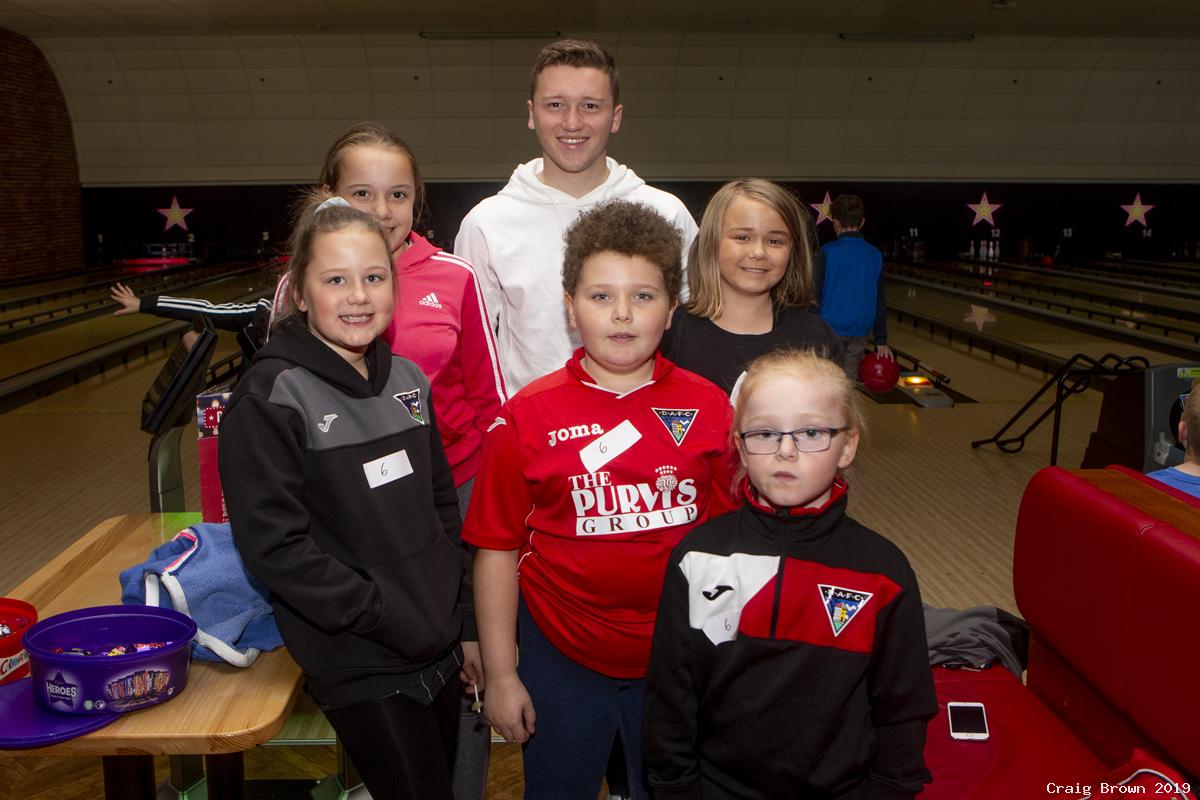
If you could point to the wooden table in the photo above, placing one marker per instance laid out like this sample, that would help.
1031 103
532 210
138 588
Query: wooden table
223 711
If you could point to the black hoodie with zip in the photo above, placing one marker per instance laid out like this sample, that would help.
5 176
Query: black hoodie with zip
342 502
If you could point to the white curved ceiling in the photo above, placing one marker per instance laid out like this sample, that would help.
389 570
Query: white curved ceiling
1143 18
195 91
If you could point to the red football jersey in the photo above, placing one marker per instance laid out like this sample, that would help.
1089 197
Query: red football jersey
596 488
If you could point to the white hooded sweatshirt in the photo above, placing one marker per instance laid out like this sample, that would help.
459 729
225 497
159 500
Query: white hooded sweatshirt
515 241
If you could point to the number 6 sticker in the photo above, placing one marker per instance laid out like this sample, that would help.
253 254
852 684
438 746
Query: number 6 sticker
391 467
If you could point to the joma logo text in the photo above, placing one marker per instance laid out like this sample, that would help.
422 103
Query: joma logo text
574 432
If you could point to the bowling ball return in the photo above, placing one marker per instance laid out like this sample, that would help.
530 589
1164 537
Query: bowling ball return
923 391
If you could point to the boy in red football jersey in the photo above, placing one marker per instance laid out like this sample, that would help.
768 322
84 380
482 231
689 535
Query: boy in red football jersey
590 476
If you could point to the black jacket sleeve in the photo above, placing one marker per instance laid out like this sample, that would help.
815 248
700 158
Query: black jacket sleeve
226 316
902 698
671 708
445 498
261 456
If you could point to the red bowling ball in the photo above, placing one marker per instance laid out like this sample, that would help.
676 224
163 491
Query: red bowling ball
877 373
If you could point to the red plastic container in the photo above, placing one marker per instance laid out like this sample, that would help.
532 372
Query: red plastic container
16 617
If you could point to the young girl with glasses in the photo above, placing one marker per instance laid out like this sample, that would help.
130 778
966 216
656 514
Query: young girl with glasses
789 654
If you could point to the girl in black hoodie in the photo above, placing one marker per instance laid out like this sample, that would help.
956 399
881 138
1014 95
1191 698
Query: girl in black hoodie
342 502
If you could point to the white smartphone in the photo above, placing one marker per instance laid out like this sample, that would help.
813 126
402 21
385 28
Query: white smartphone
967 721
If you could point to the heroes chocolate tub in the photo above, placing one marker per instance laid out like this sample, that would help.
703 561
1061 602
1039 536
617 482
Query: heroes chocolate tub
105 684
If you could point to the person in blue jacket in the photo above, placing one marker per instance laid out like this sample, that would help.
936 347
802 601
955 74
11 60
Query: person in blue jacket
850 285
1186 476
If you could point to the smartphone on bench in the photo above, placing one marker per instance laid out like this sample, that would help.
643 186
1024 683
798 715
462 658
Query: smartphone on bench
968 721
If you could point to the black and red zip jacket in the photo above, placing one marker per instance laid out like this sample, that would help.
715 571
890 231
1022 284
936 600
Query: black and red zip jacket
789 661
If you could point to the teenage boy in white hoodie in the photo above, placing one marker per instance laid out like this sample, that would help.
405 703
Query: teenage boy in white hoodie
515 238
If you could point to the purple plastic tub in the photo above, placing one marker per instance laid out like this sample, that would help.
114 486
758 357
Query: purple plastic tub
103 684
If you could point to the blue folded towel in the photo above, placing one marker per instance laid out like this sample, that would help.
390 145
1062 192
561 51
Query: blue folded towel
205 578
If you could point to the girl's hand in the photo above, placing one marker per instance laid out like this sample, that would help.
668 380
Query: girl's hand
472 669
509 709
123 296
883 351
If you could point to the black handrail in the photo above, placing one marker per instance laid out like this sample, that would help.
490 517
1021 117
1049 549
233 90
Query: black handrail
1073 377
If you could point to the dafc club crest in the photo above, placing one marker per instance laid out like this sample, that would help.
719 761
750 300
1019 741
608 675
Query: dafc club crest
412 402
677 420
842 605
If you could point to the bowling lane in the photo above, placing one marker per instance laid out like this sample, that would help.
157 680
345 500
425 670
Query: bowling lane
1127 273
46 297
1047 281
1013 325
1148 316
36 351
14 291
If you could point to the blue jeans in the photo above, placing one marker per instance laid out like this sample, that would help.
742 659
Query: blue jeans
578 714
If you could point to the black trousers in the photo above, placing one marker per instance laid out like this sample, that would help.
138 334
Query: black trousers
403 750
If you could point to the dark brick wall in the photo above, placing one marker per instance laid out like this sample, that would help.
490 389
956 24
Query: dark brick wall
41 232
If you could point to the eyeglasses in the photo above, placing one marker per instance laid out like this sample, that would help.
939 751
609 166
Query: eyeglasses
805 440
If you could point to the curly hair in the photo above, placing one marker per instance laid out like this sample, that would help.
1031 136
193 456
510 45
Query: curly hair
576 53
630 229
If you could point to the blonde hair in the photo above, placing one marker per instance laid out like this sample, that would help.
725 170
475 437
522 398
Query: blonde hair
313 219
805 365
704 272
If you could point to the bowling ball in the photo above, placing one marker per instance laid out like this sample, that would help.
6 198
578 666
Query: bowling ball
1047 261
877 373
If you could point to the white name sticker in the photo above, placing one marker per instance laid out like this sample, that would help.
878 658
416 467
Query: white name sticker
609 446
391 467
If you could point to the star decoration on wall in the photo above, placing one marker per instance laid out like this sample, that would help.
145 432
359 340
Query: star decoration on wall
979 316
822 209
175 215
984 210
1137 211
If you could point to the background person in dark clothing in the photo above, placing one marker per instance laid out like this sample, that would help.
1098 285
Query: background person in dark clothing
852 297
